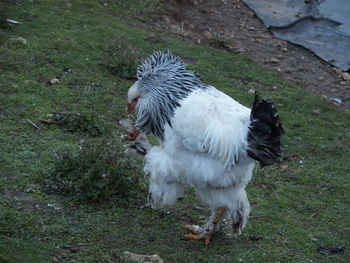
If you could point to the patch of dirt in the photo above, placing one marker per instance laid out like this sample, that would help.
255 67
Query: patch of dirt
20 199
27 201
233 21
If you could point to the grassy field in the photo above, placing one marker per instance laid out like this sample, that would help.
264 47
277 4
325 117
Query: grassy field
92 47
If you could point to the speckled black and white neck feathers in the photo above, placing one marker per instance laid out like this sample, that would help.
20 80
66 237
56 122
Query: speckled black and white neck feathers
163 82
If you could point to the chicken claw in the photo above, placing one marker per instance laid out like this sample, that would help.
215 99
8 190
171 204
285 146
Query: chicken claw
212 227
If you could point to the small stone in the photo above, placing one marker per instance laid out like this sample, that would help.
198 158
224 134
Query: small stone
284 49
345 76
54 206
251 91
313 238
54 81
280 56
290 79
251 28
273 60
264 186
19 40
276 87
284 167
31 188
67 71
321 78
316 112
207 34
337 71
142 258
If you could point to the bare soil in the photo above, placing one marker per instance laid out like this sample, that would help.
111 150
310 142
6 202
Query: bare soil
233 20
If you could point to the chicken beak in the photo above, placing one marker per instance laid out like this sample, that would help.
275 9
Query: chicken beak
130 108
132 105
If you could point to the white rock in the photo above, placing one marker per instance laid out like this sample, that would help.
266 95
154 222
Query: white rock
142 258
207 34
251 91
345 76
54 81
274 60
19 40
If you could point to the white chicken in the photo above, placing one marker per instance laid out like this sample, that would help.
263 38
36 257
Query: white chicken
208 141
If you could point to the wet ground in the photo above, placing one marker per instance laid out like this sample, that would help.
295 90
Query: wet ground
233 20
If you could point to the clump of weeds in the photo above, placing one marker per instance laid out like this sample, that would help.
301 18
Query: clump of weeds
221 42
122 60
79 122
96 170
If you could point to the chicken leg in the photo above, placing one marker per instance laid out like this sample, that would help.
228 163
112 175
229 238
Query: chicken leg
206 233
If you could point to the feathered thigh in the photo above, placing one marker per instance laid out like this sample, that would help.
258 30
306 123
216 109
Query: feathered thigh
213 184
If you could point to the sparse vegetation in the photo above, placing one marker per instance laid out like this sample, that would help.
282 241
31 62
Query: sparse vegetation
4 11
83 123
96 170
122 60
220 42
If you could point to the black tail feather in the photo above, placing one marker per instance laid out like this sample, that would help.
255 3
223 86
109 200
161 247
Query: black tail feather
264 137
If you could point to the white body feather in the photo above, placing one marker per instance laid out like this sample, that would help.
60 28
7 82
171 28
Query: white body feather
204 149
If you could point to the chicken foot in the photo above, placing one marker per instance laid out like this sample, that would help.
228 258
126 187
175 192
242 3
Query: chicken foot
206 233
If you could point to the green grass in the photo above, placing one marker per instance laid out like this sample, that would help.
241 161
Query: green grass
305 204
